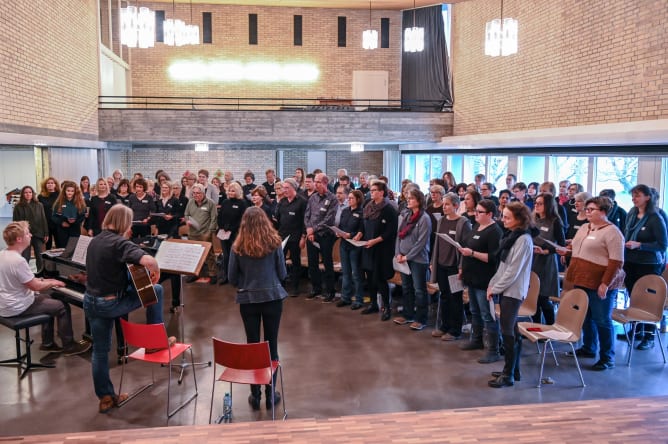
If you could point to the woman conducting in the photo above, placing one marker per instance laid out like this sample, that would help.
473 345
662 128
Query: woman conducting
511 283
110 295
257 267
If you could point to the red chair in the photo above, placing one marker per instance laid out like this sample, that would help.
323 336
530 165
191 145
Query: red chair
245 364
154 336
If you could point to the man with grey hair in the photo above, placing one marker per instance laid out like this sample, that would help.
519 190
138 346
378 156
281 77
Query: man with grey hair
290 222
200 216
319 215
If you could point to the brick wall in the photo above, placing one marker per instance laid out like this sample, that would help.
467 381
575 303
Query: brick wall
49 59
578 63
176 161
275 43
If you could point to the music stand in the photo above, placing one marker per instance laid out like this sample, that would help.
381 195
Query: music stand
183 257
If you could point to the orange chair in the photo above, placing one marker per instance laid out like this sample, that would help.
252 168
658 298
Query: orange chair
245 364
154 336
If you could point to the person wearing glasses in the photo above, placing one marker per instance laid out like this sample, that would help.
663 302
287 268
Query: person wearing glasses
200 216
545 261
487 191
351 223
597 256
478 267
380 232
412 248
445 262
645 247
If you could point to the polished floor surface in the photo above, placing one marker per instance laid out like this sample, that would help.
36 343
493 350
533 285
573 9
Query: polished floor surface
336 363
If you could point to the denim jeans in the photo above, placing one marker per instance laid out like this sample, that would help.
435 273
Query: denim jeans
351 270
414 289
101 314
597 329
480 310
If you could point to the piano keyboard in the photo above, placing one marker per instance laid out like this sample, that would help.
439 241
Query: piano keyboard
70 293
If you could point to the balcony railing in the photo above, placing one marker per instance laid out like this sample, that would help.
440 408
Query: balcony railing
269 104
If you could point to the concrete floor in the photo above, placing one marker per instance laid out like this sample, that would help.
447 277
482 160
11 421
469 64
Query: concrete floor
336 362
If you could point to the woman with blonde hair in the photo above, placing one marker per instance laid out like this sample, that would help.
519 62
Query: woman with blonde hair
69 212
257 267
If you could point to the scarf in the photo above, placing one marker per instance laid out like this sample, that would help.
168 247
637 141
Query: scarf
372 209
633 224
509 239
409 223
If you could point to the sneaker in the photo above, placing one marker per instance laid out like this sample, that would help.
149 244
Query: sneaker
450 337
401 320
417 326
645 344
603 365
437 333
582 353
370 309
53 347
254 401
171 341
77 348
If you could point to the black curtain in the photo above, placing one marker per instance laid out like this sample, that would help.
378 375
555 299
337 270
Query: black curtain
426 82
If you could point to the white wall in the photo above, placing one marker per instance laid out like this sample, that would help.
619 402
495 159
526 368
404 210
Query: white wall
17 169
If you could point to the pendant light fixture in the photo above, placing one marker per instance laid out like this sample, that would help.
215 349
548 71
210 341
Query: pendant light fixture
177 33
370 36
137 27
501 36
413 37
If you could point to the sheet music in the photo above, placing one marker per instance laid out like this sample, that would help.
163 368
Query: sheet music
455 283
401 267
357 243
449 240
285 242
223 235
81 249
492 308
193 223
337 230
179 256
549 242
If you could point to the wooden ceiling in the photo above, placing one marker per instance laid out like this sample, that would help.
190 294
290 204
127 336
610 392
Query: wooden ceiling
334 4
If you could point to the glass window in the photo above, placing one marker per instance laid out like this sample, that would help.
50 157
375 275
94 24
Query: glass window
573 169
619 174
497 169
531 169
421 168
473 165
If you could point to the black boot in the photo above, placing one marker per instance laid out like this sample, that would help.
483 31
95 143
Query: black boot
476 342
272 399
507 378
492 346
254 397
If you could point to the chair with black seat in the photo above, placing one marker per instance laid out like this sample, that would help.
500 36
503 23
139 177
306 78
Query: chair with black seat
24 322
648 299
153 337
246 364
566 328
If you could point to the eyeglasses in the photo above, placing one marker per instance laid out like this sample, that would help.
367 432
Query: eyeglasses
481 212
374 189
539 204
484 189
590 209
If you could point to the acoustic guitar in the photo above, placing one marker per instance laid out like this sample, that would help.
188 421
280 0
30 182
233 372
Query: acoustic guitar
141 280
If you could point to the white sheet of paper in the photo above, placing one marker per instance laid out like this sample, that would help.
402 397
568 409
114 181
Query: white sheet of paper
492 308
316 245
81 249
179 256
193 223
356 243
285 242
401 267
549 242
455 283
449 240
337 230
223 235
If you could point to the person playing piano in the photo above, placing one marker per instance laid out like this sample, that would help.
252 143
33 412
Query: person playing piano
109 294
17 293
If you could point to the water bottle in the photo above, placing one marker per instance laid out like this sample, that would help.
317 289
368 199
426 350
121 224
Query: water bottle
227 406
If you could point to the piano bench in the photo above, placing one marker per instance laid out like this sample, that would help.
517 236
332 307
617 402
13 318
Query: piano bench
18 323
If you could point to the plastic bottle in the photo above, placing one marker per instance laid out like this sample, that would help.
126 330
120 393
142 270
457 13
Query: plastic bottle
227 406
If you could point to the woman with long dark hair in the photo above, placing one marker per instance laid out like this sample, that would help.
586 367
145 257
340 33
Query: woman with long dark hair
69 212
511 284
29 209
545 259
47 197
257 268
645 247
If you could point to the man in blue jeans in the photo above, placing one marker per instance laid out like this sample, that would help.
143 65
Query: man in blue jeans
109 294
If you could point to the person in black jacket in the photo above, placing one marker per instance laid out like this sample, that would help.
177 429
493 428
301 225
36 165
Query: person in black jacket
290 221
351 224
617 214
380 230
98 206
47 197
229 219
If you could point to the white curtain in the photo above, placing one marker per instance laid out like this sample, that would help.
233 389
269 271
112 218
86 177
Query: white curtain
72 163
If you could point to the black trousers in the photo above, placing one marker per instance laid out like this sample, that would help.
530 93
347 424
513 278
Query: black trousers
266 316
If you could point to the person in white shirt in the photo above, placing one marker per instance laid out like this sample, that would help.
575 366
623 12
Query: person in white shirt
17 292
